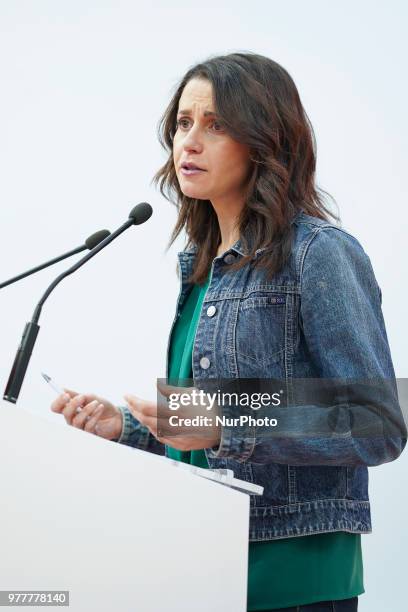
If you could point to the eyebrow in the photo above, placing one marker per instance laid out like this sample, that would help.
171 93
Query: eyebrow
188 112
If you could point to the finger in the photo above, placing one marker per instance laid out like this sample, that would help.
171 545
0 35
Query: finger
72 407
163 406
92 420
139 406
167 390
81 400
89 408
133 403
171 393
81 418
59 404
70 392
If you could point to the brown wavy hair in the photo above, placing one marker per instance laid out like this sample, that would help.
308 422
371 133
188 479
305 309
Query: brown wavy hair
259 105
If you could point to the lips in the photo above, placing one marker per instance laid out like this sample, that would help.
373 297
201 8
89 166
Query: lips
192 172
191 166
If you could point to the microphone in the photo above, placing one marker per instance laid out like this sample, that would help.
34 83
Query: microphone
138 215
90 243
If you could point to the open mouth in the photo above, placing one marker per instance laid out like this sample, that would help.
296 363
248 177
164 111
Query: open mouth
189 168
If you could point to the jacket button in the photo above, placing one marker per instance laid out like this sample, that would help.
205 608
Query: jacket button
211 310
204 363
229 258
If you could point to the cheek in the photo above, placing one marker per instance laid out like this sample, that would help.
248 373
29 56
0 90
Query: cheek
176 150
234 165
178 143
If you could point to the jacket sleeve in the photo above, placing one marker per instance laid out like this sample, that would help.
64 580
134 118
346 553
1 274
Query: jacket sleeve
137 435
342 328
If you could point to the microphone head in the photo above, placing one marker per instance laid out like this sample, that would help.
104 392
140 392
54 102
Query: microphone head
96 238
141 213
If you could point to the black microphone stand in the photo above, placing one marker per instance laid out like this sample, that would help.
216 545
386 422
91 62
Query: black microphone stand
31 329
89 244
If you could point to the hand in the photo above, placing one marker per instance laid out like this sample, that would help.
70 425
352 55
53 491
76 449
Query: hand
90 413
184 437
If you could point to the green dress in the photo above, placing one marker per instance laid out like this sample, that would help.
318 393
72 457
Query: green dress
284 572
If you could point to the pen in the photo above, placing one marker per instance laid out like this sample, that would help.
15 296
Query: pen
52 384
56 387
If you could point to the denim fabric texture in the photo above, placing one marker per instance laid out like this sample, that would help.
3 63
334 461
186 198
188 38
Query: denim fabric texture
319 317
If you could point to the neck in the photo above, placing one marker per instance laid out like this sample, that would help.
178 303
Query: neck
228 239
227 214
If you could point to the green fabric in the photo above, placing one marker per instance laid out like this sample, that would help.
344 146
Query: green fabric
284 572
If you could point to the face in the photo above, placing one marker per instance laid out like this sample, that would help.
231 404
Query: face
201 140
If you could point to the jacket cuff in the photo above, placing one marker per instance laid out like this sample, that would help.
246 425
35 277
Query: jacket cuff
237 439
133 433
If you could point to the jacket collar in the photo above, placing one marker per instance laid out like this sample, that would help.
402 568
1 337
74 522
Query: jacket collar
237 246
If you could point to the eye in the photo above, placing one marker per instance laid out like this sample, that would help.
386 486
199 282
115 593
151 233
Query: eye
179 122
220 126
216 125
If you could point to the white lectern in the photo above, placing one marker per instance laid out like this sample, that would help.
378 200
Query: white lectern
121 529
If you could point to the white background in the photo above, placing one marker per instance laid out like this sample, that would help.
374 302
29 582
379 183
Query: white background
83 85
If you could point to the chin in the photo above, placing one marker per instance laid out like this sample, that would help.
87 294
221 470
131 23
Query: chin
192 192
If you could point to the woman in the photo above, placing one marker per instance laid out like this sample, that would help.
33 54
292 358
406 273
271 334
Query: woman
270 289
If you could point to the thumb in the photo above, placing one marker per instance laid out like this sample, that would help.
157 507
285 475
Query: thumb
70 392
131 399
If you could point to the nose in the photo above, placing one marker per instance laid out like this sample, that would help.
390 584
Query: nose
193 140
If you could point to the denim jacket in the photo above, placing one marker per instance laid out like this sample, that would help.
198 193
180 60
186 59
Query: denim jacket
320 317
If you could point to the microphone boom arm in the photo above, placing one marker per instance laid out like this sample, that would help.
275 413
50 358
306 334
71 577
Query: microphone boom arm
139 214
43 265
77 265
